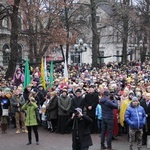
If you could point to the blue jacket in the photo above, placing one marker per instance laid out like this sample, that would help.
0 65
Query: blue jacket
135 117
107 107
98 111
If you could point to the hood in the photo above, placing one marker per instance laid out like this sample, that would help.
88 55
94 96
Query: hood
134 106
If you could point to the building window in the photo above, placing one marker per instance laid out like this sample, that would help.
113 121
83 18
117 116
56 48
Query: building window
117 53
75 57
98 19
5 22
19 21
6 54
101 55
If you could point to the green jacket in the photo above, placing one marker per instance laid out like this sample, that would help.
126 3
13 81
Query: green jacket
30 108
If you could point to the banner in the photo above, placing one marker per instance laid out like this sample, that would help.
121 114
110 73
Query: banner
26 74
42 74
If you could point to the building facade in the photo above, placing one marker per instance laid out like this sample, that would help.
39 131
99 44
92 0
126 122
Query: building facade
5 32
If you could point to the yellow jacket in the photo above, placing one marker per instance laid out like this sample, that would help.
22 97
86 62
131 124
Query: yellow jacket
123 108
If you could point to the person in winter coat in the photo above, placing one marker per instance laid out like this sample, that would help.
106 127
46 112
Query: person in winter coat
17 101
145 103
4 105
41 95
26 92
81 138
108 107
77 101
123 108
98 113
52 110
18 77
64 105
90 102
136 118
31 120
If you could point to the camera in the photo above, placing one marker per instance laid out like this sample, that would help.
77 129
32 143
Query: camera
76 113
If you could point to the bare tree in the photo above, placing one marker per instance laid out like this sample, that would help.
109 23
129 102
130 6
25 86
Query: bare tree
12 12
143 8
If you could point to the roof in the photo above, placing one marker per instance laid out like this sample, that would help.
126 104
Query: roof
107 8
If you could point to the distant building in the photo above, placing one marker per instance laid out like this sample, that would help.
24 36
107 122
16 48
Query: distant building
5 31
110 44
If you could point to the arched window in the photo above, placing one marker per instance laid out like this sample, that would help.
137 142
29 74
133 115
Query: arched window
5 23
6 54
19 54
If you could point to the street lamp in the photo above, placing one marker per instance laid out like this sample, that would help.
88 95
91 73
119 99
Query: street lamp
143 50
79 48
6 55
7 50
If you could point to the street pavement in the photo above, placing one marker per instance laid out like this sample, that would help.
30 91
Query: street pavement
53 141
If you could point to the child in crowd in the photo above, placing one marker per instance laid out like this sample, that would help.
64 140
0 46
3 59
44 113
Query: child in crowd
98 114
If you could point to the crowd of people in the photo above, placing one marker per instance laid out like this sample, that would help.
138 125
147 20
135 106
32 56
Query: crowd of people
106 96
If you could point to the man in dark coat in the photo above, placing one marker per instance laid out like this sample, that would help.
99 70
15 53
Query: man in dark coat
81 138
107 119
41 95
145 103
91 100
77 101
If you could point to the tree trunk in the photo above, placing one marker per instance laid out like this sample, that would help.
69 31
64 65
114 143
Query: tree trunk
125 37
67 28
95 39
13 40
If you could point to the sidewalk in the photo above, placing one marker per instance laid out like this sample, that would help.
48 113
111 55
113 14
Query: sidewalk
52 141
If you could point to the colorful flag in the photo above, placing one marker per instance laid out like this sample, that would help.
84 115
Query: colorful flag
42 74
45 69
51 74
26 74
65 71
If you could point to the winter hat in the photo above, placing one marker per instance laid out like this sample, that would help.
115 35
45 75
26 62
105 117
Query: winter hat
131 92
64 90
78 110
33 91
29 85
78 90
40 85
134 99
106 93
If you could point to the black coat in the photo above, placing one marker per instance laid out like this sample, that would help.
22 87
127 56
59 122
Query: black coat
91 100
80 128
52 109
77 102
26 94
147 111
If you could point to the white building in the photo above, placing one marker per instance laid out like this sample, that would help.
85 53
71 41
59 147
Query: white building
110 46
